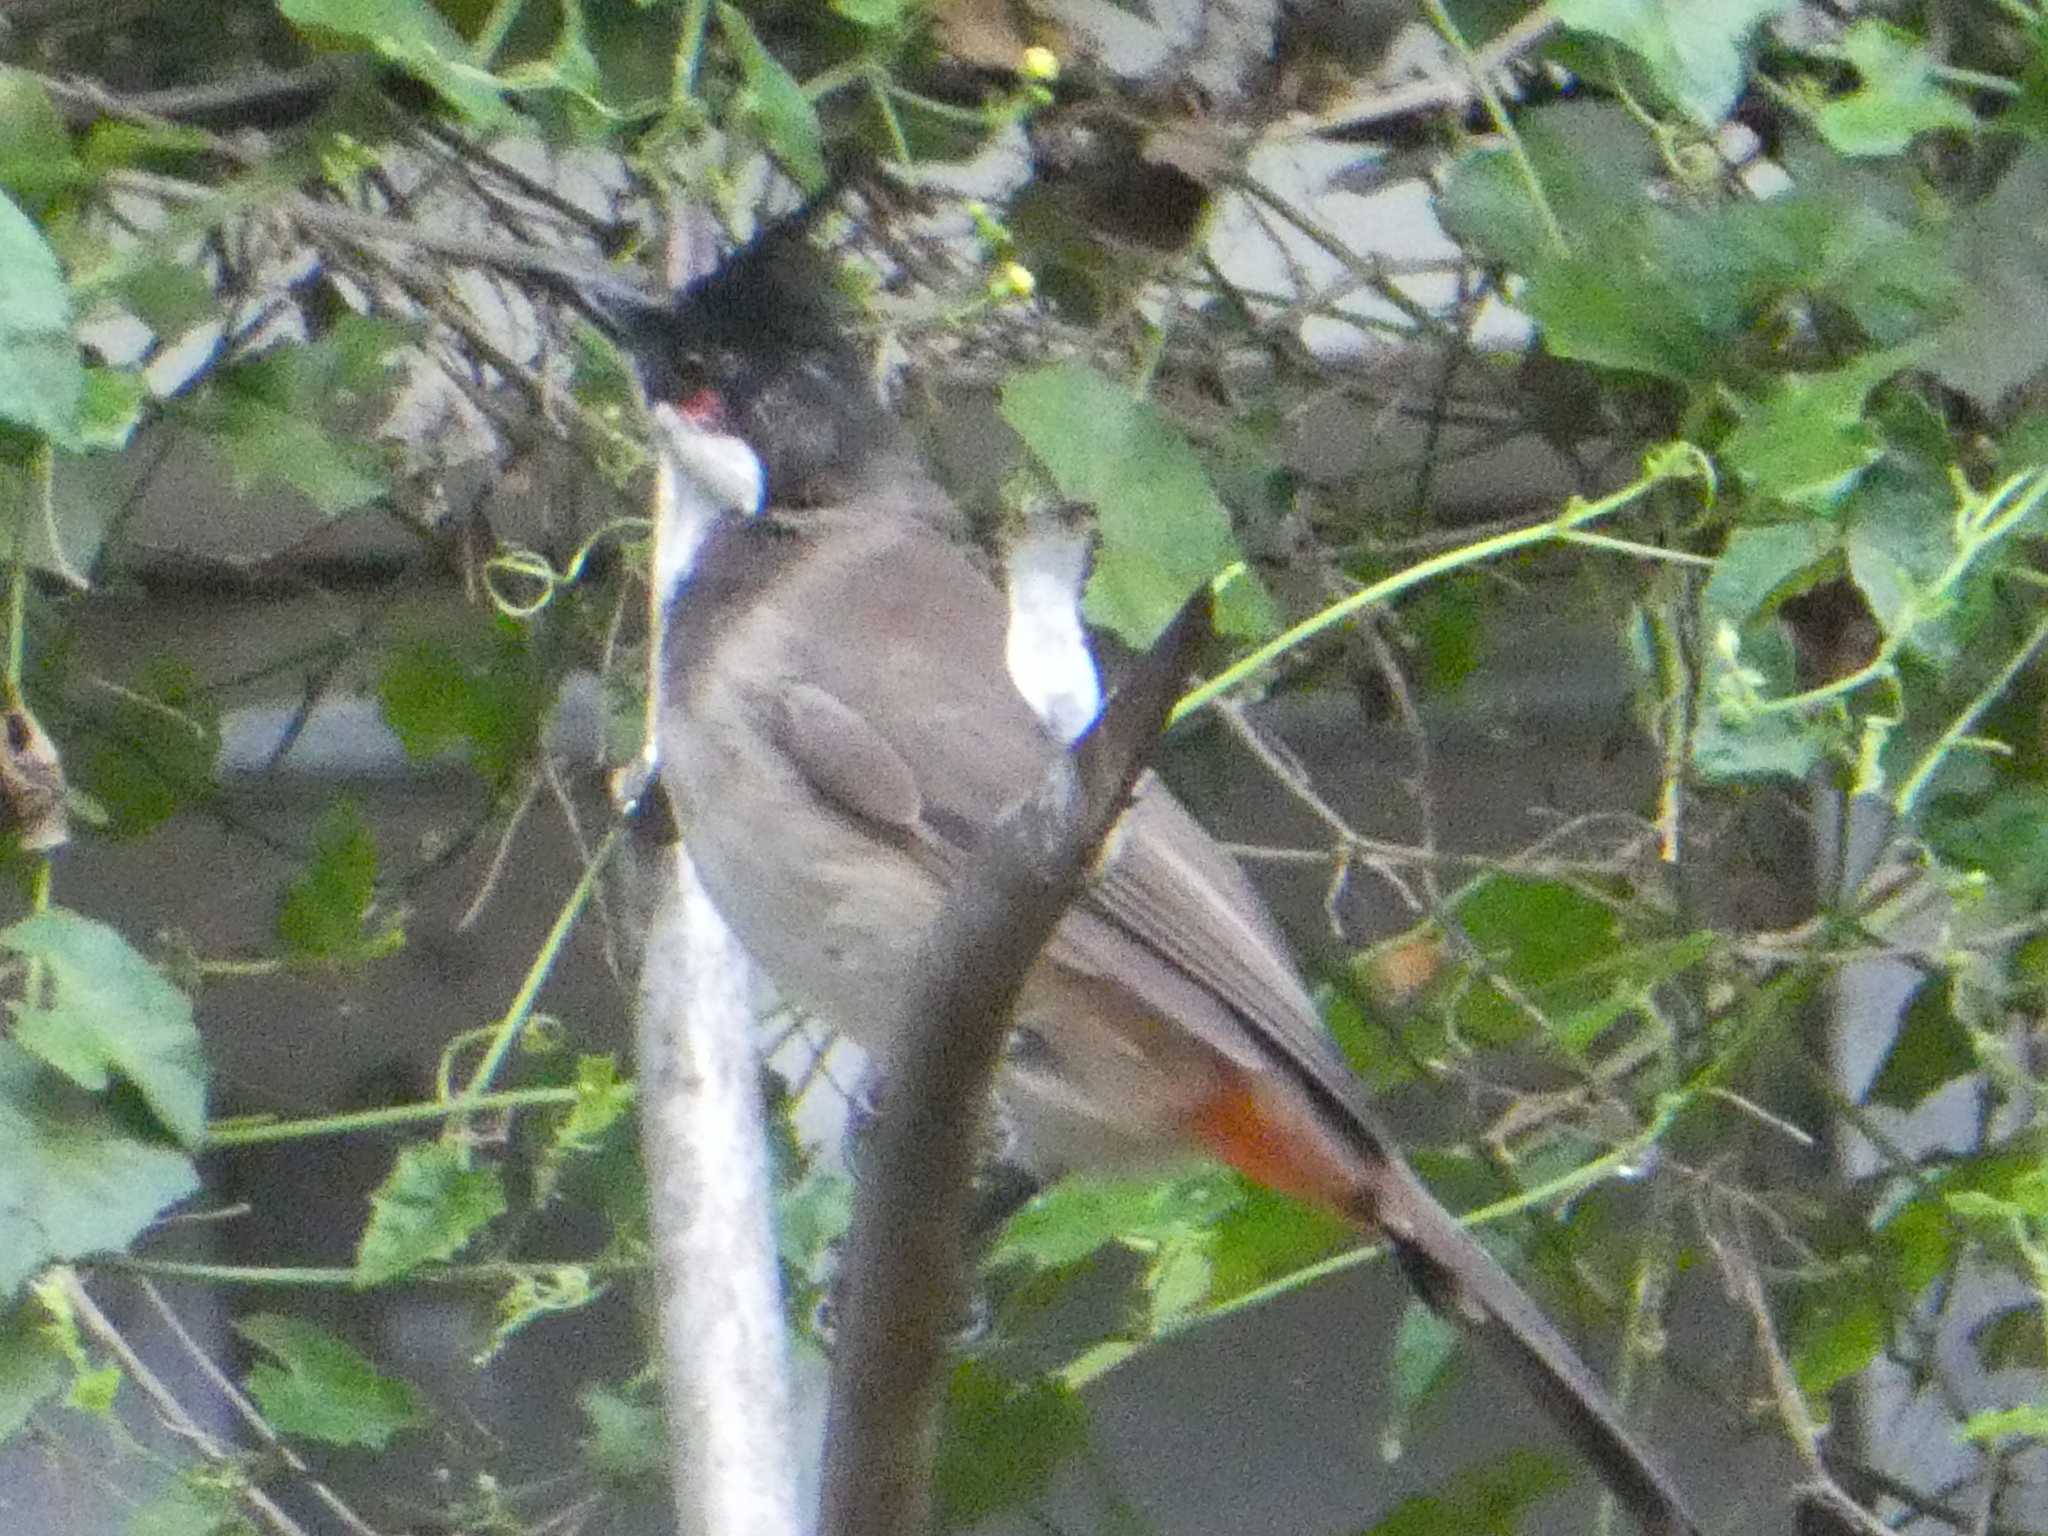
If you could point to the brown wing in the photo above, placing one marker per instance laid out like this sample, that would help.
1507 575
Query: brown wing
901 649
846 759
904 706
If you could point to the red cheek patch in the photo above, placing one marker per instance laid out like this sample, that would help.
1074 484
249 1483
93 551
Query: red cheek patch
704 409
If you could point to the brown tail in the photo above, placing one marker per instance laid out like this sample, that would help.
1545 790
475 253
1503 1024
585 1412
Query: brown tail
1466 1285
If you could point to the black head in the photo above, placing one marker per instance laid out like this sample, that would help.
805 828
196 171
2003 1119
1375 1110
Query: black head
769 336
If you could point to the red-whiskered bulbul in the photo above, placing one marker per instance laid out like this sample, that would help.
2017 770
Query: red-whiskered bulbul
838 727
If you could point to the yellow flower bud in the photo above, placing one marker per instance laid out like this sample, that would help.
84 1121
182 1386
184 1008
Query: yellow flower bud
1017 280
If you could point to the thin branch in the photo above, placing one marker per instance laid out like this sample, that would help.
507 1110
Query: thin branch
166 1403
1746 1284
249 1414
1348 847
272 100
1379 106
904 1272
724 1341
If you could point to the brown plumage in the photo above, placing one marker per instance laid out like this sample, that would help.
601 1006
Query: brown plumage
839 730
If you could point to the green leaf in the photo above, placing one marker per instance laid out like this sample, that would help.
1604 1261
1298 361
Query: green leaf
1629 976
1734 741
2023 1198
155 753
1838 1338
1931 1048
31 1365
573 70
1919 1241
2029 114
1448 620
1080 1214
1591 159
1898 99
108 414
876 15
94 1392
1618 314
1001 1442
1263 1237
603 1100
271 418
1999 251
170 297
325 913
774 104
1177 1282
1488 1500
2005 836
1696 51
64 520
1760 567
1807 441
534 1295
810 1218
75 1179
104 1012
190 1505
626 1440
1975 1205
480 695
2029 969
425 1211
412 34
265 444
2012 1339
1898 537
42 377
113 144
1164 530
1425 1348
1535 934
1485 206
1918 1244
1894 280
320 1387
1657 289
36 162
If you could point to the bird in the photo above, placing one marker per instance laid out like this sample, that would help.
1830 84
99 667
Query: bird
838 728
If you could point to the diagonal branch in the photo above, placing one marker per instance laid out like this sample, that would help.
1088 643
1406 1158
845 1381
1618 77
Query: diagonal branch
903 1280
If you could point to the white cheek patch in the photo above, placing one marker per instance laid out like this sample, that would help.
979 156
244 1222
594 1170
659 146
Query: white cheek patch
699 477
1047 649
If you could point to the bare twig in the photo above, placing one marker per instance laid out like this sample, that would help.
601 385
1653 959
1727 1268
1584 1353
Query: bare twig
1746 1283
1420 771
249 1414
1348 847
287 94
1366 108
724 1342
902 1281
724 1346
166 1403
